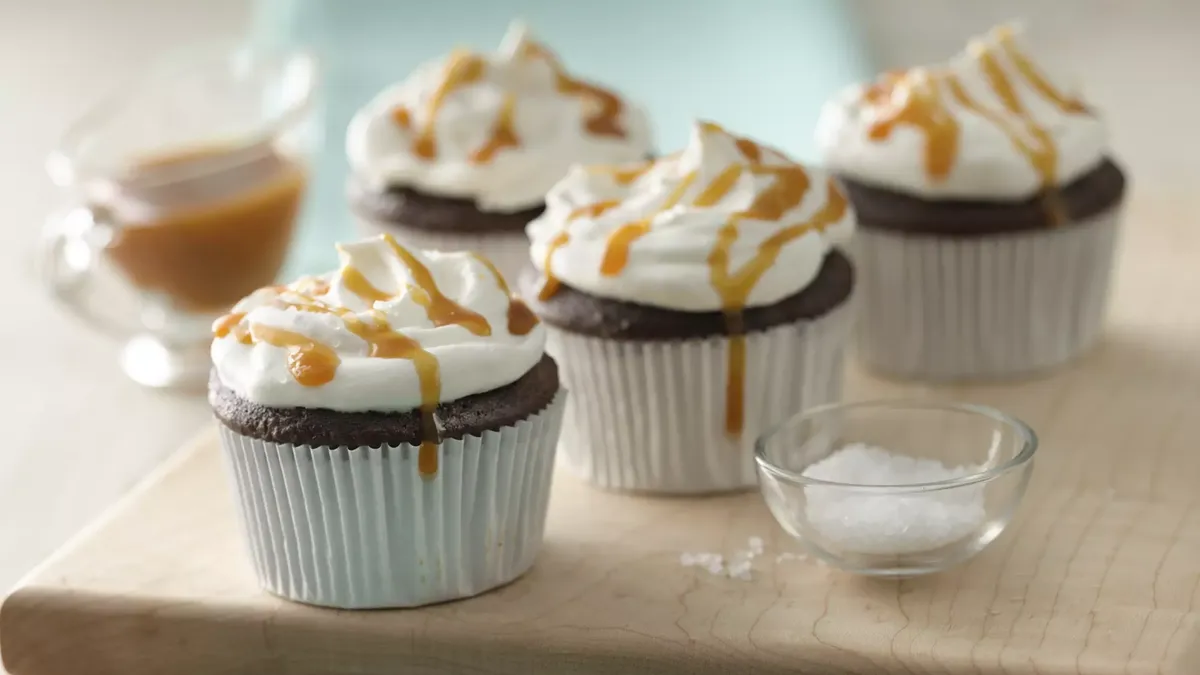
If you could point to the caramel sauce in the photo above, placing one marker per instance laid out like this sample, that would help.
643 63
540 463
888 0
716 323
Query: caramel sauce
593 210
924 106
1031 75
222 326
627 175
503 134
311 363
386 343
204 227
521 319
549 283
357 283
605 120
921 107
402 117
442 311
462 68
616 250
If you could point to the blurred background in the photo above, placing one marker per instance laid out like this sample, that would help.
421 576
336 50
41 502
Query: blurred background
78 433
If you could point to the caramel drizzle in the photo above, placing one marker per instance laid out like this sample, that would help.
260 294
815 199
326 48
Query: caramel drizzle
624 175
616 251
605 121
503 134
788 187
442 311
922 104
550 284
521 319
462 68
313 364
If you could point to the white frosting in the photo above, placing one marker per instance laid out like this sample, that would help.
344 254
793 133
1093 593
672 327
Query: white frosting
988 165
669 265
549 123
468 363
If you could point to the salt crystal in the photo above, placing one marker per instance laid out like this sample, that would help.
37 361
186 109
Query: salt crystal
756 545
890 524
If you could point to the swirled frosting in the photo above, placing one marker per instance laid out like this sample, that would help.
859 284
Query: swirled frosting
497 128
992 124
725 224
391 329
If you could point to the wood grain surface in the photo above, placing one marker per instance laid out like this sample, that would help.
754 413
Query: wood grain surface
1098 575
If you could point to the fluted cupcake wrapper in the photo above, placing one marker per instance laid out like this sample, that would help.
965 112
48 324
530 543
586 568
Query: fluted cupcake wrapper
650 416
942 308
508 251
361 528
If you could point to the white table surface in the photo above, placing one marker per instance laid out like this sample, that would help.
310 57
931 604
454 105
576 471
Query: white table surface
78 434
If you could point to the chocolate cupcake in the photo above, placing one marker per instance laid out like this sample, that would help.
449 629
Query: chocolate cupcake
460 155
691 302
389 428
988 208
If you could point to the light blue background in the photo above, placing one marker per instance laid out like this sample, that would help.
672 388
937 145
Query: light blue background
760 67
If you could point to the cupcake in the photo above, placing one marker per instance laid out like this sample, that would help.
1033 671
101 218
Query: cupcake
691 302
389 428
988 204
460 155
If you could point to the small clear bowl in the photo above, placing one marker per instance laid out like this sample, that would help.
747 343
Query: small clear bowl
950 482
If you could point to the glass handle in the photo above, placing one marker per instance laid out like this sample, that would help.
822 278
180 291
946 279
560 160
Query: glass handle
71 248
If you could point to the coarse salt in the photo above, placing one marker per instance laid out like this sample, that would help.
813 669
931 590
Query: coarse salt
890 524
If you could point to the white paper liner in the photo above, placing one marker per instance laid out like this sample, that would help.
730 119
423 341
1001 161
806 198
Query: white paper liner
941 308
357 528
509 251
650 416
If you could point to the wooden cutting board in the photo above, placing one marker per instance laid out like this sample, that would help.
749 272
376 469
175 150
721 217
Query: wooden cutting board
1098 575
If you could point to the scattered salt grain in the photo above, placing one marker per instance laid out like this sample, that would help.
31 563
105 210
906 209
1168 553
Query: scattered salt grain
756 545
714 563
890 524
788 555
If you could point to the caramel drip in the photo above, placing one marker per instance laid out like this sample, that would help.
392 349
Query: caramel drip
503 134
734 287
605 120
311 363
616 250
627 175
922 107
719 187
462 68
521 319
356 282
1030 72
386 343
402 117
749 149
593 210
442 311
224 325
549 283
1042 154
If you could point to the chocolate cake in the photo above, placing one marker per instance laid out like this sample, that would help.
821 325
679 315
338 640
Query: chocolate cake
879 208
472 415
585 314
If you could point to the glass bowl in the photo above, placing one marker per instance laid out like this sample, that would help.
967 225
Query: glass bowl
895 488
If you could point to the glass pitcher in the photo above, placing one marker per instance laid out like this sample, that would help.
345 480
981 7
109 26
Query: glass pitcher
184 190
